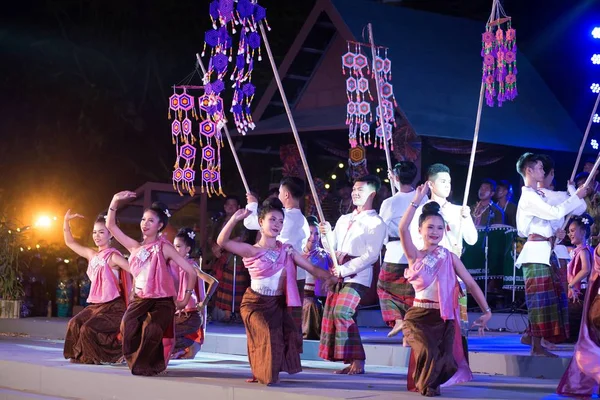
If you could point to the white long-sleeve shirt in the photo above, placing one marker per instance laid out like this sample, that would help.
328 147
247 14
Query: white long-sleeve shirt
360 235
535 215
294 231
452 215
391 212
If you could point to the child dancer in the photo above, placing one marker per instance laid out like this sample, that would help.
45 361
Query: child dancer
92 334
273 338
147 327
191 323
432 324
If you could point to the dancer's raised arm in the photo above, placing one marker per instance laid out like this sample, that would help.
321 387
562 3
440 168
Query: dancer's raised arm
224 240
410 250
70 241
111 220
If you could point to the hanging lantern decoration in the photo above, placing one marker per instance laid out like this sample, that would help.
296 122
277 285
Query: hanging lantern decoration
499 52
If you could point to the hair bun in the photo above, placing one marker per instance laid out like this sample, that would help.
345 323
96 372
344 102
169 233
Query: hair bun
159 205
185 231
273 202
431 207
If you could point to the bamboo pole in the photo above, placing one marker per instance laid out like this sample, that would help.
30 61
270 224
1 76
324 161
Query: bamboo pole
288 111
226 130
585 136
381 116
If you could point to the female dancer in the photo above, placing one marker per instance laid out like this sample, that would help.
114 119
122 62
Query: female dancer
431 325
582 377
578 269
92 334
148 324
314 292
273 339
191 323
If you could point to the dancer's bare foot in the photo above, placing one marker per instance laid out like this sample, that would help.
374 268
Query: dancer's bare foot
548 345
191 352
252 380
526 339
542 352
343 371
177 355
397 328
357 367
405 342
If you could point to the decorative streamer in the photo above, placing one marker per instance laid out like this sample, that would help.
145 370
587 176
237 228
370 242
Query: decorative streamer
499 52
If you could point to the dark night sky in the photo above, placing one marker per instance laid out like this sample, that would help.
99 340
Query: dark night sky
84 84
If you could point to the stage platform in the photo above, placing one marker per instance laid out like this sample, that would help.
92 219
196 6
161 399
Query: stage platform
496 353
35 369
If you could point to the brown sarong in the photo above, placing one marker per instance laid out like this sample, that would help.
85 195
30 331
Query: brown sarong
187 330
312 315
144 324
273 338
92 334
432 362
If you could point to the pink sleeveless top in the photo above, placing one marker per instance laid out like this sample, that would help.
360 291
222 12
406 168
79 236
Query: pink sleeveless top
269 262
105 281
153 277
198 294
575 264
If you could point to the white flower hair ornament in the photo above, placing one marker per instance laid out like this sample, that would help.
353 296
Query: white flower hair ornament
585 221
105 217
191 235
167 213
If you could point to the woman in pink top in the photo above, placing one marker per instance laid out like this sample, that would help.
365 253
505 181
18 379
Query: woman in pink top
431 326
148 324
191 323
274 340
92 334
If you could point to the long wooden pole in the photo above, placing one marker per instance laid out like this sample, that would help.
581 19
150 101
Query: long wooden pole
288 111
585 136
380 115
226 130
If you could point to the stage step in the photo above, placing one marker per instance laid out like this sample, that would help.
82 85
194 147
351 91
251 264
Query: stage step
9 394
31 366
494 353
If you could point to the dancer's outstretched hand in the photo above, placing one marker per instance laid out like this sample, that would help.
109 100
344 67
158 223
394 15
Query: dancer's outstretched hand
69 216
124 195
481 322
420 192
241 214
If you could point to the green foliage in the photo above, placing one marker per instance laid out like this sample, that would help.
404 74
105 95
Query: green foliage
10 284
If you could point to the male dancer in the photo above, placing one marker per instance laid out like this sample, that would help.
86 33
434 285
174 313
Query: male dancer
395 293
295 230
459 227
534 221
439 182
357 239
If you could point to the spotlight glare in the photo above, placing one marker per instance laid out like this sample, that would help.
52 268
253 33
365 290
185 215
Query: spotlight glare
66 261
334 176
596 33
327 186
595 88
596 118
341 165
594 144
378 170
386 180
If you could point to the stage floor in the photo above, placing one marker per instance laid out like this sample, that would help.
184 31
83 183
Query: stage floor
35 368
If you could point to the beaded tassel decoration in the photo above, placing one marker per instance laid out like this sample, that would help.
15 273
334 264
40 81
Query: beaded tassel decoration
358 110
499 52
383 72
182 105
225 15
